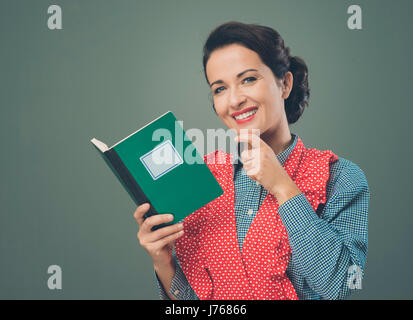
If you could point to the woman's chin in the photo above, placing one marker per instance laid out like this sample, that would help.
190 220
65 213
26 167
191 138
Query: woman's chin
247 126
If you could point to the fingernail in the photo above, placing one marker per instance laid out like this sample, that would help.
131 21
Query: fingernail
170 217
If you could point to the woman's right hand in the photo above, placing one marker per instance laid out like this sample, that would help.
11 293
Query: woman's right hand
158 243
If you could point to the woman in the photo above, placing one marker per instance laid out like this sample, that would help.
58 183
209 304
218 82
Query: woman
292 222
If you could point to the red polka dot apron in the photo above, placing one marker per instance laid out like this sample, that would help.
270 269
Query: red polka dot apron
209 253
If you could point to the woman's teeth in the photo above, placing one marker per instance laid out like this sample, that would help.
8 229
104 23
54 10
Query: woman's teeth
245 115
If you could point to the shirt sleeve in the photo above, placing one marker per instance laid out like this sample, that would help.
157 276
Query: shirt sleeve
329 249
180 287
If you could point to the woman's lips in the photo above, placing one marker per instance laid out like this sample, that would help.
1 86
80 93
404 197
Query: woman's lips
245 115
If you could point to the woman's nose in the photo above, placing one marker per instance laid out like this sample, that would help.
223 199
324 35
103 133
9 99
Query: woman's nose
236 98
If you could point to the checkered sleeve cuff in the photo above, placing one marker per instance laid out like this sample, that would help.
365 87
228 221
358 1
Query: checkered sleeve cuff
296 213
180 287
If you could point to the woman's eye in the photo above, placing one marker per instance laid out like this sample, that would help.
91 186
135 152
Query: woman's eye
218 90
249 80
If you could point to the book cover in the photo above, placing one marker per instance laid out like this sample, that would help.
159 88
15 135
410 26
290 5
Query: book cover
150 164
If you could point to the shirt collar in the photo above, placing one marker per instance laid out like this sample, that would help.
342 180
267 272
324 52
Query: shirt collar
282 157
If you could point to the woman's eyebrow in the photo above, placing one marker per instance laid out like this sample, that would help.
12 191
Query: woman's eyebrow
245 71
238 75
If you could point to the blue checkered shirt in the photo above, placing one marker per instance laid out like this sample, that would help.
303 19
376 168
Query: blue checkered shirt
329 246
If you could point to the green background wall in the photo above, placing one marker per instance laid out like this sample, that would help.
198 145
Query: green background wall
116 65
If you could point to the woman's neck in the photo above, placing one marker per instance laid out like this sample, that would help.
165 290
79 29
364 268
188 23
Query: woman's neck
278 140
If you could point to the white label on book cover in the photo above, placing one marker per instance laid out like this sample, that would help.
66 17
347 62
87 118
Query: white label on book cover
161 159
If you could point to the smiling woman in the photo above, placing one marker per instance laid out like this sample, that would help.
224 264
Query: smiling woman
252 98
292 222
269 47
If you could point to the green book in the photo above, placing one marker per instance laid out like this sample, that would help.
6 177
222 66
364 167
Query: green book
160 165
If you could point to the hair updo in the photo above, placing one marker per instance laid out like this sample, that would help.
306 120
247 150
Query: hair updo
269 45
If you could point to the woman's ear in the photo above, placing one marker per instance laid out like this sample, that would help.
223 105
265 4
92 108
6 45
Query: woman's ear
287 84
213 106
211 99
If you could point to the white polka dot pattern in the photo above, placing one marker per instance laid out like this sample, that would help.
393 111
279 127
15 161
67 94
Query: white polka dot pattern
209 253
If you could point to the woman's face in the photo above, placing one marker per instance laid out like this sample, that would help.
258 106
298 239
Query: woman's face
246 93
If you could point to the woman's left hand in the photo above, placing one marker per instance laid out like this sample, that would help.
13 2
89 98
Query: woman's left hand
261 164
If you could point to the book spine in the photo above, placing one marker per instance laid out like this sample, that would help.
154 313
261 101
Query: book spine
127 180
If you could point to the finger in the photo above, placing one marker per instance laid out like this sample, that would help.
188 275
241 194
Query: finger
247 155
253 140
155 220
168 239
164 232
140 212
251 167
250 138
250 155
252 172
246 166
